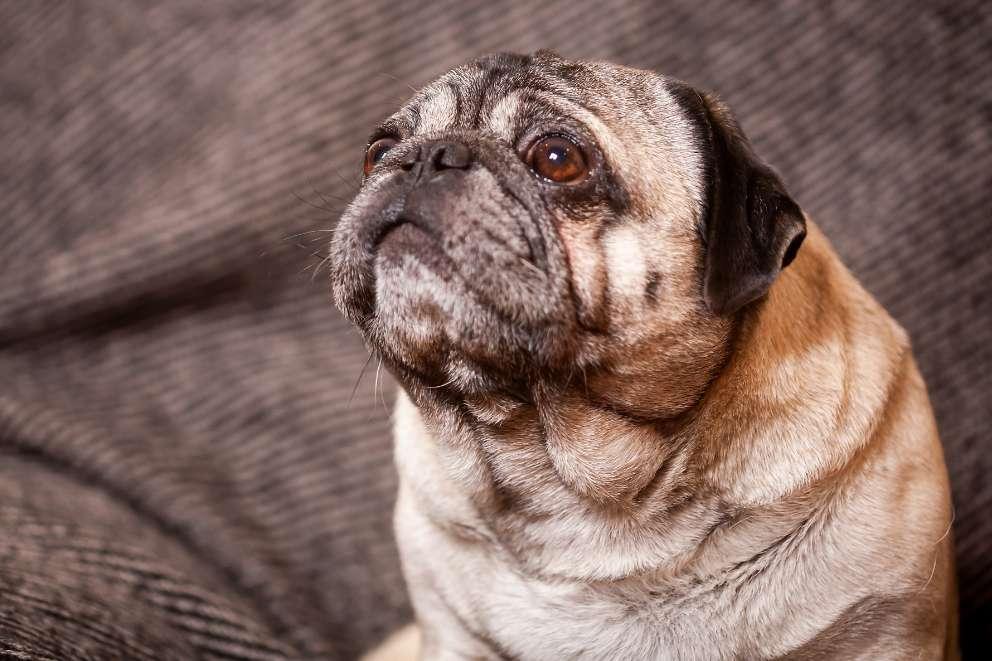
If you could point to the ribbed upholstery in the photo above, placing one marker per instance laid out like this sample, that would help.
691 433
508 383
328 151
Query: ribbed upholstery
184 472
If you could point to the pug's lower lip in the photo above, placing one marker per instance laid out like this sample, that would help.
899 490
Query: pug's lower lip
404 231
406 237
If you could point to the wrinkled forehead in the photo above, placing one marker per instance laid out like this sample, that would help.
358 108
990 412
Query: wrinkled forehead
496 93
633 117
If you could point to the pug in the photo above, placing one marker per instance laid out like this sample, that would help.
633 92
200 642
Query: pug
646 413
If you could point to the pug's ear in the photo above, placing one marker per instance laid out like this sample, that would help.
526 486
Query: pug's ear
753 228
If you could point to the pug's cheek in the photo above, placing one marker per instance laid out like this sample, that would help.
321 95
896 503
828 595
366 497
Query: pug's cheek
588 273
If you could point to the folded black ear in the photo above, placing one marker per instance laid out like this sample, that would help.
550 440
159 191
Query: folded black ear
753 229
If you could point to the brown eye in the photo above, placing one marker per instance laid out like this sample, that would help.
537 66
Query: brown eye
375 152
557 159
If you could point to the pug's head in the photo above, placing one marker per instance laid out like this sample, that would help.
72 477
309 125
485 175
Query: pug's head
530 219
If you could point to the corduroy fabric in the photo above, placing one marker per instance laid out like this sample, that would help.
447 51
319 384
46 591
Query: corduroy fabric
184 472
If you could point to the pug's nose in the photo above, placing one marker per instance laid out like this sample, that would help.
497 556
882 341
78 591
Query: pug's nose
427 160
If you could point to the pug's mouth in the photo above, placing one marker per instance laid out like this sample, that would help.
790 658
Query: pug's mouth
439 308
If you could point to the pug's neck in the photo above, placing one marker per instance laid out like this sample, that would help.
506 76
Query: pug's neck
568 488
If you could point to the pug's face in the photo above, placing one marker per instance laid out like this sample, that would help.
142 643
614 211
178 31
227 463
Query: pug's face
529 218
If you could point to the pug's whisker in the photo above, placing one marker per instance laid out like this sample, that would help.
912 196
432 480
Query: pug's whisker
401 82
299 234
316 271
316 265
358 381
375 382
375 391
323 195
350 184
382 396
310 250
311 204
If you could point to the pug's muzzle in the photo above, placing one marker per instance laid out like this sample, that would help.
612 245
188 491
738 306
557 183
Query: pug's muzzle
450 264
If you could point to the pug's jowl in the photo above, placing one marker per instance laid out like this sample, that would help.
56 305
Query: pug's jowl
646 413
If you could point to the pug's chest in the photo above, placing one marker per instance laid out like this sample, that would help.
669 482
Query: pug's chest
481 604
527 618
550 621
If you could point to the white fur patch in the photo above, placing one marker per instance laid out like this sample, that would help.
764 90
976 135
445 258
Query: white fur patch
504 116
437 110
625 260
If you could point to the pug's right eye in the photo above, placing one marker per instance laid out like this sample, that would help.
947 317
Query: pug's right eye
375 152
557 159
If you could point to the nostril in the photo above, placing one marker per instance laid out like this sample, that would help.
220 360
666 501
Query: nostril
450 155
432 158
437 156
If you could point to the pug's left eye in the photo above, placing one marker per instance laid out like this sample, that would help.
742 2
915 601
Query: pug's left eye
375 152
557 159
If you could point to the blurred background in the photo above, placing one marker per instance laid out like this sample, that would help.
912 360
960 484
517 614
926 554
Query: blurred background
194 451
